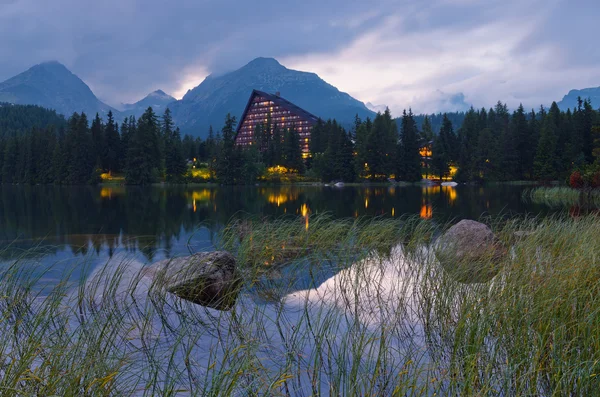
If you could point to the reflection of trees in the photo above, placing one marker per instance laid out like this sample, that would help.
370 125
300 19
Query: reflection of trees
151 218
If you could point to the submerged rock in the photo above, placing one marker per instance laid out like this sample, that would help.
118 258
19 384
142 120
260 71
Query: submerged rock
469 252
205 278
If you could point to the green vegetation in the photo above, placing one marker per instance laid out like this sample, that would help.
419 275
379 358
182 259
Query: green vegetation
543 146
17 119
557 197
489 145
376 315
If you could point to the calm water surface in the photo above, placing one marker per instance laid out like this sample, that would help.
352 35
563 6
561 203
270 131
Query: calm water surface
82 228
68 223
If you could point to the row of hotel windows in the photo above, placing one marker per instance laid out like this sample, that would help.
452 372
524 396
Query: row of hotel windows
276 120
301 130
274 115
262 102
242 139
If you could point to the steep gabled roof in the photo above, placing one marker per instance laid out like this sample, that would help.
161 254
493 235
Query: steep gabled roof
279 101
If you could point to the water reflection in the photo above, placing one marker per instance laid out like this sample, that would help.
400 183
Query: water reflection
426 211
305 214
450 192
286 194
107 219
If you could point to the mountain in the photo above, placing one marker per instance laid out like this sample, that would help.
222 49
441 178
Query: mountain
569 101
209 103
158 100
53 86
376 108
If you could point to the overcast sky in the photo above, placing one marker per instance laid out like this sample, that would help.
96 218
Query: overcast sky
433 55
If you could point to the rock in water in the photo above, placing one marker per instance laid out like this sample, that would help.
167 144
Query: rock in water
205 278
469 252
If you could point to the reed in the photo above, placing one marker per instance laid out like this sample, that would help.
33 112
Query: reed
561 197
360 307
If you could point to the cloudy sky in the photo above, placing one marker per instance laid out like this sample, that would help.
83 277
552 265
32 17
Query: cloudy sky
432 55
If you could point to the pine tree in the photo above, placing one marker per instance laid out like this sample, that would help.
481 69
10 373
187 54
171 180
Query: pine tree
410 162
381 145
426 130
228 161
142 153
2 148
588 123
212 149
9 168
98 150
522 135
292 154
596 144
344 168
79 150
318 139
509 137
440 162
166 134
357 123
59 160
544 167
112 145
124 149
275 150
175 165
468 136
360 146
43 146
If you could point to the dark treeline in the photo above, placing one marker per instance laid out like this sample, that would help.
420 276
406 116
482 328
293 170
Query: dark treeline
373 149
436 120
540 145
16 119
489 145
79 152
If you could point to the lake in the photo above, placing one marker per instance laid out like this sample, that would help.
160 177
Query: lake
338 321
157 222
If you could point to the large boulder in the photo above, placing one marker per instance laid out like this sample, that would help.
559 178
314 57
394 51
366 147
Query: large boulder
469 252
206 278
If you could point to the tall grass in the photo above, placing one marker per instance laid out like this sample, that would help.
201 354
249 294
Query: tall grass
559 197
354 308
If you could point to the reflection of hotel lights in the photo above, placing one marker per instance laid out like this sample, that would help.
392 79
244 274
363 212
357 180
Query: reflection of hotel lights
194 205
106 192
451 193
430 190
202 195
282 197
366 203
304 210
393 212
426 211
277 199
